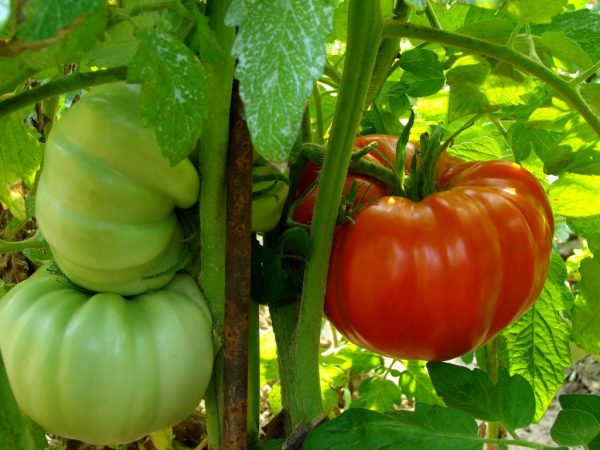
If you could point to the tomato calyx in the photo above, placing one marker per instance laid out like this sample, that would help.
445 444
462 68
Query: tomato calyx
272 177
422 172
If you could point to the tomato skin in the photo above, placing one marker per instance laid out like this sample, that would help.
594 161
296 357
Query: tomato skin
101 368
436 279
106 196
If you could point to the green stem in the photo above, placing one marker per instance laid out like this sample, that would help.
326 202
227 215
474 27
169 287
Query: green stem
333 73
364 34
494 429
584 76
10 85
564 89
316 154
253 372
503 443
213 164
316 93
432 16
61 86
35 241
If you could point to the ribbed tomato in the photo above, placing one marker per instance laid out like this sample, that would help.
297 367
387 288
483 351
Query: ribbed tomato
436 279
103 368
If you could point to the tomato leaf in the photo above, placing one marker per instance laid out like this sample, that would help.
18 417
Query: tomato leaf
574 427
537 345
591 94
509 401
21 155
587 403
461 388
51 34
565 49
281 49
416 383
535 11
581 26
45 20
427 428
378 394
465 99
586 310
423 73
575 195
173 91
16 430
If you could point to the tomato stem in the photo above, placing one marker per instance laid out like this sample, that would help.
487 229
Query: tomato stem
568 92
301 378
61 86
35 241
316 154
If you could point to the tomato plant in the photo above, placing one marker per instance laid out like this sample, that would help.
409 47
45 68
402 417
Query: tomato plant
106 196
99 367
438 278
128 129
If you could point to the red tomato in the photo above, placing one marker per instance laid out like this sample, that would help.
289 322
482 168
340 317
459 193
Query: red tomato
436 279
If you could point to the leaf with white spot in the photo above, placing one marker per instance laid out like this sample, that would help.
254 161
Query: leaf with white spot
174 86
281 49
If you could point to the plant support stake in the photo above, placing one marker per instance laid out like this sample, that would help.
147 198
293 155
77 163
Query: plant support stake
237 275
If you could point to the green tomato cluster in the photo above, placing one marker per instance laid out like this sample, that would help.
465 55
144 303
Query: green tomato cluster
120 346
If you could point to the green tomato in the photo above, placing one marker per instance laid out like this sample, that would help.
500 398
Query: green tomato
102 368
106 196
269 196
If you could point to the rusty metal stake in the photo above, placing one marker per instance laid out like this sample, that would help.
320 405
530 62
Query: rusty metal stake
237 283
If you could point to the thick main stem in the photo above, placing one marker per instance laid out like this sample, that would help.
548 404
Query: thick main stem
303 387
502 53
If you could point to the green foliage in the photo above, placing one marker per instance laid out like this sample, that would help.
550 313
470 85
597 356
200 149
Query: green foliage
281 52
537 345
21 155
509 401
427 428
174 91
16 430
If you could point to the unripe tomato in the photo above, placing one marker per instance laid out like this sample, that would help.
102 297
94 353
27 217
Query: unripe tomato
436 279
102 368
267 208
106 196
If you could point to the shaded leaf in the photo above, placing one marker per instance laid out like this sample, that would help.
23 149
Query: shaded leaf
423 73
378 394
21 156
586 310
581 26
574 427
16 430
535 11
427 428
